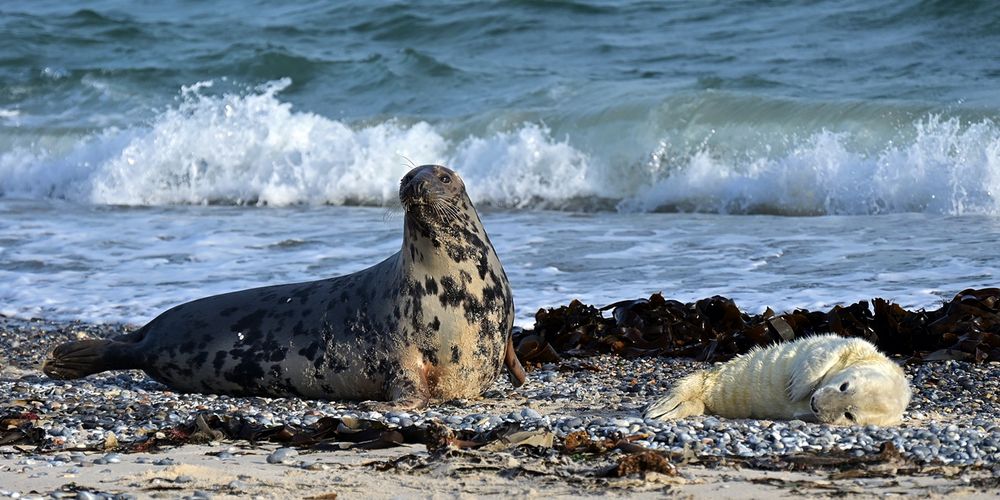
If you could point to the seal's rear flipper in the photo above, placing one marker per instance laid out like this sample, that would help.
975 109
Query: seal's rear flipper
670 408
515 372
86 357
686 398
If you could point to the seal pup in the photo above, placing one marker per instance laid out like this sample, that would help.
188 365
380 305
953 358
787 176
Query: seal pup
823 378
433 321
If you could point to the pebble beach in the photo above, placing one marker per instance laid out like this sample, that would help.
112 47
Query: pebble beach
951 423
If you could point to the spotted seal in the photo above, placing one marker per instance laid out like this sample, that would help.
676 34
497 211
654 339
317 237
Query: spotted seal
431 322
821 378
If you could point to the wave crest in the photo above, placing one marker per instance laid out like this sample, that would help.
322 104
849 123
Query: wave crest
947 168
253 148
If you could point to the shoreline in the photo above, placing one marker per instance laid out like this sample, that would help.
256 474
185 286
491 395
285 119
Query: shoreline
948 442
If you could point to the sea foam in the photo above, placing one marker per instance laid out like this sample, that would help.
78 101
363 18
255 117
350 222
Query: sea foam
948 168
253 148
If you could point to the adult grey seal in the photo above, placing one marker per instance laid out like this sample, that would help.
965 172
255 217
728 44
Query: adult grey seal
431 322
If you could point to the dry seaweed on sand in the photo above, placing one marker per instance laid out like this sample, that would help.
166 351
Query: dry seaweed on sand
443 442
967 328
19 428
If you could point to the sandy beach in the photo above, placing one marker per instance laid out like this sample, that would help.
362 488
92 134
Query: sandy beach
200 473
125 436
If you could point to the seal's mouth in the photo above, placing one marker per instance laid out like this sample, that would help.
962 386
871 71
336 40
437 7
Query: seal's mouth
426 208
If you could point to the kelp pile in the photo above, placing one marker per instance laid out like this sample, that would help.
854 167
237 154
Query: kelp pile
714 329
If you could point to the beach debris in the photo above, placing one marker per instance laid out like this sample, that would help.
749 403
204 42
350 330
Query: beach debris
332 433
110 441
967 328
18 428
580 443
842 460
642 462
539 438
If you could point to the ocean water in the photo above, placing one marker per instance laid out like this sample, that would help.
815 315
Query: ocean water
797 155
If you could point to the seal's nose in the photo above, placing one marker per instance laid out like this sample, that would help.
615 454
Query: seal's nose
419 186
414 188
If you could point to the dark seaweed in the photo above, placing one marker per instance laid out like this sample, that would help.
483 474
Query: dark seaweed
714 329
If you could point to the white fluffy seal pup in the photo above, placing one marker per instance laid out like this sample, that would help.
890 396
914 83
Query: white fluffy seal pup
822 378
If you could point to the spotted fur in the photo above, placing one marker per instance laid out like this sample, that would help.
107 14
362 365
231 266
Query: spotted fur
430 322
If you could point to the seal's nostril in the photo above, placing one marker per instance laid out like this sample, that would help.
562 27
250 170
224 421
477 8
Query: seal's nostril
414 189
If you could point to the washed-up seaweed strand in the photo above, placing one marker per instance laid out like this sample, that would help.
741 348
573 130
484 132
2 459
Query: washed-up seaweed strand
714 329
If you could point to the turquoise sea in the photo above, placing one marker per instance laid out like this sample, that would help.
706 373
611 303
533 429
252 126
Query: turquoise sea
794 154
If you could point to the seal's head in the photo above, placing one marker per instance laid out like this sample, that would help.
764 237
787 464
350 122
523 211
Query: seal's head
869 393
433 195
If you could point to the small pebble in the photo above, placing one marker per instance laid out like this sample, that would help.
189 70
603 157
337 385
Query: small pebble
238 486
530 413
282 456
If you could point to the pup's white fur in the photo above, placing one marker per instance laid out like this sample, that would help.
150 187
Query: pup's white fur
824 378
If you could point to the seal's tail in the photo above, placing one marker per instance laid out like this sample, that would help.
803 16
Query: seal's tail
87 357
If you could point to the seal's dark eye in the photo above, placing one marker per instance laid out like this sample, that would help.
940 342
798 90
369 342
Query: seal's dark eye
407 178
844 386
445 179
849 415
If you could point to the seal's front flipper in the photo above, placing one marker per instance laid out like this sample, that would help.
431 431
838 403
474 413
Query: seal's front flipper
404 391
515 372
86 357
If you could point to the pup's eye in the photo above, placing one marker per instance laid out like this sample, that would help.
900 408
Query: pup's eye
849 415
407 178
445 179
844 386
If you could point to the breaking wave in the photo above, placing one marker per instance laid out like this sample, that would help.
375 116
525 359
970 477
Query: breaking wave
252 148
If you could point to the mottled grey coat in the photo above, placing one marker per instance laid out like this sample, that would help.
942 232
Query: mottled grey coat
430 322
